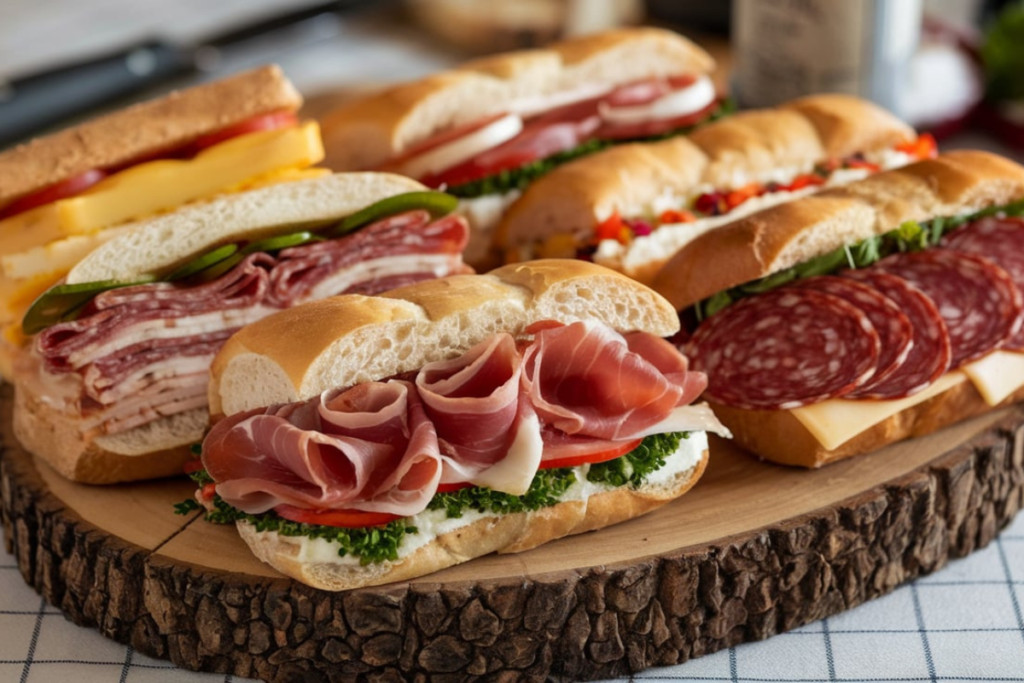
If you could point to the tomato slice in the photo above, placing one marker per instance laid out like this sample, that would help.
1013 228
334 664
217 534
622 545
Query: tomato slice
620 449
453 486
281 119
57 191
349 519
924 147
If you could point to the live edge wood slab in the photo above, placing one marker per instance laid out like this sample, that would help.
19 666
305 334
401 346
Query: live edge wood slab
752 551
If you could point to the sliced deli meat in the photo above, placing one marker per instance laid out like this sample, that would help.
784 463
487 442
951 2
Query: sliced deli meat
978 300
930 352
1001 240
895 332
785 348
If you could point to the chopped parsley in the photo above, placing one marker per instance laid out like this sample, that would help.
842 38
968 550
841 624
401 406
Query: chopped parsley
381 543
908 237
518 178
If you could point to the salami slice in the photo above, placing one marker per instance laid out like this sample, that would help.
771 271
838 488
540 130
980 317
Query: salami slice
784 349
1000 240
977 299
930 353
895 333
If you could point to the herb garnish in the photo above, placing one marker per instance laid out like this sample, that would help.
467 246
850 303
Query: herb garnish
633 468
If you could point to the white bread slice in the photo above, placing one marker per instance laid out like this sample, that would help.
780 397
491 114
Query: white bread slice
511 533
142 130
368 132
350 339
788 234
158 245
751 146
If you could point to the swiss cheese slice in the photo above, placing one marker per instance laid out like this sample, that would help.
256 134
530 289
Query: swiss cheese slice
997 375
835 422
161 185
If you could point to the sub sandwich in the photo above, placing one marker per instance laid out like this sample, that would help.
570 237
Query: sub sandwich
486 130
632 207
862 315
362 440
64 194
112 386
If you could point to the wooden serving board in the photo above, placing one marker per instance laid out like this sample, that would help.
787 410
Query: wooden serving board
753 550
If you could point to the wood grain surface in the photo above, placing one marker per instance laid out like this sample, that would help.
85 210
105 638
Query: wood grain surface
753 550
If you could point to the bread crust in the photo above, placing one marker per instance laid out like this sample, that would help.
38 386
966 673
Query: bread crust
777 435
785 235
503 534
54 438
143 130
350 339
725 154
368 132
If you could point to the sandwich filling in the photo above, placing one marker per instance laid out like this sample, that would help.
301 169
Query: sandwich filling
884 319
507 421
114 356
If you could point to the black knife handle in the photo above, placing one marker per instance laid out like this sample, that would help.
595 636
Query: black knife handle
31 104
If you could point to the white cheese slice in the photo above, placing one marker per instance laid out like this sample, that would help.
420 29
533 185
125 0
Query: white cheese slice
835 422
997 375
677 103
463 148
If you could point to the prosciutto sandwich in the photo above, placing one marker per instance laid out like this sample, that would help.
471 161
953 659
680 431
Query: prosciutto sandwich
862 315
113 384
632 207
362 440
64 194
486 130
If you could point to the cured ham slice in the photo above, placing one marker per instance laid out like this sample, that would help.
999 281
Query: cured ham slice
369 448
586 379
150 336
474 403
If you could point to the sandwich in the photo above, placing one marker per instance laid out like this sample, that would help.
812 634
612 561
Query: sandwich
64 194
363 440
632 207
862 315
486 130
112 386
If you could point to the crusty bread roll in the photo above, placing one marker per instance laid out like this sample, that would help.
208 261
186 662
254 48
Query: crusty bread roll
368 132
782 236
752 146
511 533
140 131
351 339
772 240
164 242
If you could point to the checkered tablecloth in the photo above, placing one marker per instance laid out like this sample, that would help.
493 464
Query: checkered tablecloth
964 623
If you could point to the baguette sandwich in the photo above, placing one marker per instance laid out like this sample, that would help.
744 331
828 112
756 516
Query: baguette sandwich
486 130
862 315
632 207
64 194
112 386
448 420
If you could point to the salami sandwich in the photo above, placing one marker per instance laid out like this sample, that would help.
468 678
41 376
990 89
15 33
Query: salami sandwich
486 130
363 440
632 207
112 386
64 194
862 315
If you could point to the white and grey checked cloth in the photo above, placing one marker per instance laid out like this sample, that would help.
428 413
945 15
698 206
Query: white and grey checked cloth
964 623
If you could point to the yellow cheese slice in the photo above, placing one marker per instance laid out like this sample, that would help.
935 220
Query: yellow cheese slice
164 184
835 422
17 295
997 375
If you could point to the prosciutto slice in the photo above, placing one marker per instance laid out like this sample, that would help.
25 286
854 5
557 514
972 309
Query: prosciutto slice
143 340
474 404
369 448
586 379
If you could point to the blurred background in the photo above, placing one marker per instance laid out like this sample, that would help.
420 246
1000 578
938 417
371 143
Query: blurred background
955 67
